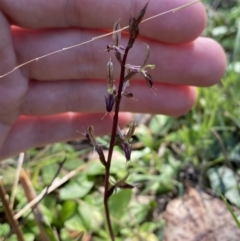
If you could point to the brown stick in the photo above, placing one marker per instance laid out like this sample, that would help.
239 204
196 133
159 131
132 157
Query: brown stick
9 213
31 194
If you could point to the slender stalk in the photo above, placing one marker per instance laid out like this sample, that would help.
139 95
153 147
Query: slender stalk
30 195
112 141
9 213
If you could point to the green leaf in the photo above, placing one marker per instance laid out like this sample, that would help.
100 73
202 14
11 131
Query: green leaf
95 168
29 237
4 229
119 202
49 172
230 209
73 163
160 124
76 189
148 227
90 215
224 179
75 223
68 210
49 231
139 212
145 135
86 215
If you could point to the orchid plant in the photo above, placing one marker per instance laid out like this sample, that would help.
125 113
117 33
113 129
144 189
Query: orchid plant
113 101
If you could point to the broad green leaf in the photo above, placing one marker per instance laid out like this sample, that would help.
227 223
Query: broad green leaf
86 214
223 179
49 231
75 224
76 188
29 237
160 124
68 209
49 172
118 203
90 215
4 229
95 168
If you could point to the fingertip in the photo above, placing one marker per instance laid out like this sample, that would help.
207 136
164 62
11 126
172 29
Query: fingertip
182 26
217 60
190 94
125 118
213 62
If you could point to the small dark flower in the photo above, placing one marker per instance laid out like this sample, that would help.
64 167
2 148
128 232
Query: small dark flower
101 155
124 140
128 95
130 132
126 186
127 148
134 69
124 92
148 78
110 101
92 139
116 185
116 47
111 89
122 183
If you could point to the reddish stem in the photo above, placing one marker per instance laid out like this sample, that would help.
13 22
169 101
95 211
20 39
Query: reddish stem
112 142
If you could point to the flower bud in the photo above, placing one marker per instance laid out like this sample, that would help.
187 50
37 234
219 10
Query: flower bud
142 13
127 150
110 80
109 100
133 30
101 155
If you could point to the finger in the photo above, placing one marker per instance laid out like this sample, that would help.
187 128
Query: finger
9 100
182 26
40 131
50 98
200 63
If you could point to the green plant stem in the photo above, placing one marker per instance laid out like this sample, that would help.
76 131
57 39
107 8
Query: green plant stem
112 142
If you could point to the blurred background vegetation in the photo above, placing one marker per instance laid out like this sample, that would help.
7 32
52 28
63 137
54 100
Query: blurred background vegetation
201 149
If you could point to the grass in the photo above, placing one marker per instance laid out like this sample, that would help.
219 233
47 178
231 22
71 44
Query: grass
201 148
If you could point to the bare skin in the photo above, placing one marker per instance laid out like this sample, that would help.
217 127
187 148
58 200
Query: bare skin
49 100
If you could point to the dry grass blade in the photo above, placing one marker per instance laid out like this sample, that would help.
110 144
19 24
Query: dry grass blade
14 189
31 194
9 213
55 184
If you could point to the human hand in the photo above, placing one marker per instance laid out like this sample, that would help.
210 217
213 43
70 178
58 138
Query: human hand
50 99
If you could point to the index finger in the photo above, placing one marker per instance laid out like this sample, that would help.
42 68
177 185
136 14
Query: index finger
181 27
